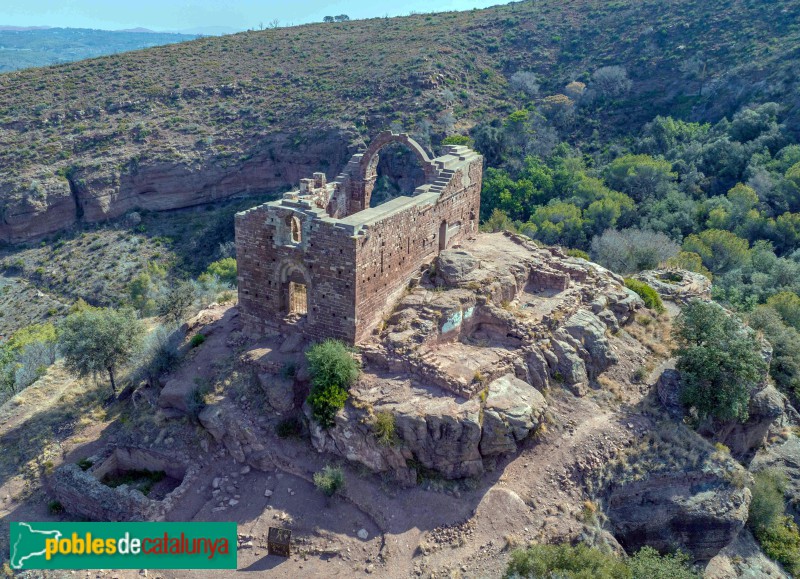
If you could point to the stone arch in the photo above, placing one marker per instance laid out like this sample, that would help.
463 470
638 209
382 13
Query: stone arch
363 182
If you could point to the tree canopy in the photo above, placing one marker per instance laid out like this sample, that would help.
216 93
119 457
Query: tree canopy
719 360
97 340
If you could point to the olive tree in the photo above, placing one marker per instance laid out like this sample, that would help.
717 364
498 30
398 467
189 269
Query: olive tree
95 340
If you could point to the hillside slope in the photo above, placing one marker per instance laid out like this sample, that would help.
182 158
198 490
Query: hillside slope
185 124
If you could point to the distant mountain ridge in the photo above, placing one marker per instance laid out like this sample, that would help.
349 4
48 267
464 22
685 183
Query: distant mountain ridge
34 46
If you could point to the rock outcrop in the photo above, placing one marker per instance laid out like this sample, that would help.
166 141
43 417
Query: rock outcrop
437 433
513 408
677 285
696 511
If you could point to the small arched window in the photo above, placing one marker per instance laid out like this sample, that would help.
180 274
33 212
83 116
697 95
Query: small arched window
295 229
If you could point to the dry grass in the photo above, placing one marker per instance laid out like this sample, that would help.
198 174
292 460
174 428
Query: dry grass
669 447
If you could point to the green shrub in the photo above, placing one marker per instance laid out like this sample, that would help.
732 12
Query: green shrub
329 480
719 361
384 428
85 464
458 140
647 293
781 542
196 340
777 533
333 370
578 253
766 506
566 562
648 564
224 270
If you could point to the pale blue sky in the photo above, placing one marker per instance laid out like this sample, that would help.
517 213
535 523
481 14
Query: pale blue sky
183 14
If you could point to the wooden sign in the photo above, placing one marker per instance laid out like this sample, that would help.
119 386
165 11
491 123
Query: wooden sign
279 542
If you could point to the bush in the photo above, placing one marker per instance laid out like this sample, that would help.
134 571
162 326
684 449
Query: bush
566 562
177 301
719 361
632 250
329 480
384 428
648 564
196 340
578 253
160 353
651 299
55 508
766 506
781 542
333 370
777 533
224 270
785 340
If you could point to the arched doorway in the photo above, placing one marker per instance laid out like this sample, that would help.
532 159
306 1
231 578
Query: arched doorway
295 288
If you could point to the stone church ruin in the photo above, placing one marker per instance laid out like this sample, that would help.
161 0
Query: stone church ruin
324 262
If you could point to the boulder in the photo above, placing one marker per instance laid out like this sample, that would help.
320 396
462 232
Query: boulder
590 332
176 394
512 409
279 391
677 285
696 511
453 265
766 407
570 368
351 436
443 435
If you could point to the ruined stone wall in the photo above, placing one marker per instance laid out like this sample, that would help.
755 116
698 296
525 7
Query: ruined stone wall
352 265
325 260
401 244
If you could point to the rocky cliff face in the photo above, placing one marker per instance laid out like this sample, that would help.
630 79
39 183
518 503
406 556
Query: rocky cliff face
109 189
696 511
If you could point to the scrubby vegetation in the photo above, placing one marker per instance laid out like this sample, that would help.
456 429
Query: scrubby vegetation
329 480
719 360
650 297
582 562
775 530
333 370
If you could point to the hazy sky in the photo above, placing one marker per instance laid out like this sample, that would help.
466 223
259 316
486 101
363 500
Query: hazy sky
182 14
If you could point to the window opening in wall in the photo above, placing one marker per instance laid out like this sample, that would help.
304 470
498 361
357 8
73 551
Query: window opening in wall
294 224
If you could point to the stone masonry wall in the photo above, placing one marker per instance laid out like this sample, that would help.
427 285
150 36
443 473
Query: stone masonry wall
352 265
403 242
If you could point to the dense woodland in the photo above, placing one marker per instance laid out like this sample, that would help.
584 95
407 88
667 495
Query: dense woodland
722 199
